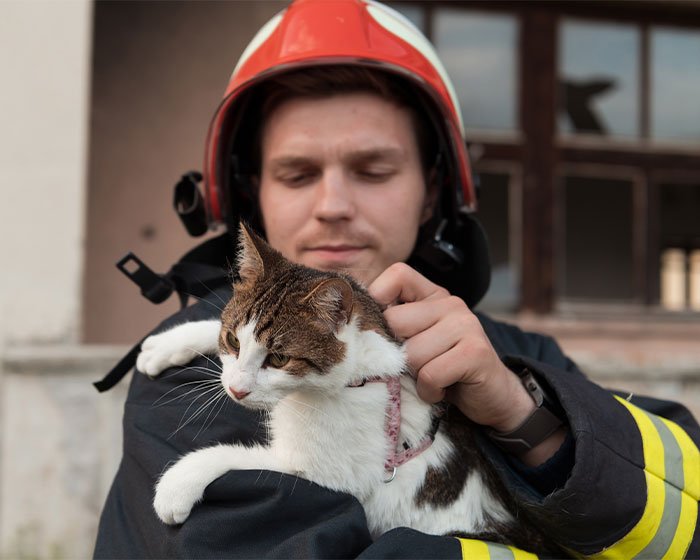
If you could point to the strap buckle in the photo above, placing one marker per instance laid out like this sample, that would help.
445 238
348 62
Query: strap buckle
154 287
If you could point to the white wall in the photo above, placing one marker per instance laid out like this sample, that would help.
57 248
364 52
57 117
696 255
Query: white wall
44 88
53 449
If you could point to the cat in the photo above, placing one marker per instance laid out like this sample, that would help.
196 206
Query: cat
313 348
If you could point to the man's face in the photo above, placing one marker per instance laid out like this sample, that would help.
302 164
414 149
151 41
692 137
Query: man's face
341 185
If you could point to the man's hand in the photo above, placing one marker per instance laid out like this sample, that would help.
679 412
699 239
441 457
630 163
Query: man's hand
451 356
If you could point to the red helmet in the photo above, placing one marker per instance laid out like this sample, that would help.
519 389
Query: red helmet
335 32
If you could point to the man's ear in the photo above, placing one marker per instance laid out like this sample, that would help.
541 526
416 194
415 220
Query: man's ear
431 196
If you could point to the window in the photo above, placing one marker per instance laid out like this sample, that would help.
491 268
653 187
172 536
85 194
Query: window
597 250
599 79
479 52
498 209
675 84
679 233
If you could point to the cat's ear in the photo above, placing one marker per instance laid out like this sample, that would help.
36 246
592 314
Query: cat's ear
332 301
251 264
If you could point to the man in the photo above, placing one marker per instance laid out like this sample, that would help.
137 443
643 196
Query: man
339 140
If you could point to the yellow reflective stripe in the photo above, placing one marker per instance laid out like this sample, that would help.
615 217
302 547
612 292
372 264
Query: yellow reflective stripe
473 549
686 528
691 459
651 441
639 537
519 554
672 528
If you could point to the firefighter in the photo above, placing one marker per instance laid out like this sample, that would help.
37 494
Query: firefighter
340 139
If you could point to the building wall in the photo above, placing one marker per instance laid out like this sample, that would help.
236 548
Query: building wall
49 461
45 65
158 70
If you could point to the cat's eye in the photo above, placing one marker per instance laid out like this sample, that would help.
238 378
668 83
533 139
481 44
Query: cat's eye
277 360
233 342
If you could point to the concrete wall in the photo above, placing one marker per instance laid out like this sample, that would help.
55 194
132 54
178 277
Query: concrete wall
44 69
47 433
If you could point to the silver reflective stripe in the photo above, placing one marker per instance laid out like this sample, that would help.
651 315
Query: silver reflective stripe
499 552
673 465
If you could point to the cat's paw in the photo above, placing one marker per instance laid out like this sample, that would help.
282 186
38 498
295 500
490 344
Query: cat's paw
175 498
161 351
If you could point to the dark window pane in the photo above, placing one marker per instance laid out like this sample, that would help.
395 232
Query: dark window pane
599 78
675 84
680 215
494 215
598 257
479 52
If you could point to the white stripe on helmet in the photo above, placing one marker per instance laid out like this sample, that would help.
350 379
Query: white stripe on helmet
260 37
400 25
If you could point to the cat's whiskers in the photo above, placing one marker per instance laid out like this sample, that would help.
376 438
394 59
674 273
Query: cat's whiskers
200 385
218 391
206 371
215 364
208 421
213 292
202 299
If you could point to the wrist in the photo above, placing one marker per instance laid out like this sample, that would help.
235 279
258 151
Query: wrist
536 436
518 406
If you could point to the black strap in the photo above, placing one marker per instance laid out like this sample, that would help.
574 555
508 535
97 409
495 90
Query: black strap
117 373
197 274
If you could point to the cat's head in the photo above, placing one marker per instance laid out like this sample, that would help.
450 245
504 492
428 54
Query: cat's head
280 329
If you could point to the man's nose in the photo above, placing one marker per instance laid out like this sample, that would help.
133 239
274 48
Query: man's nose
334 197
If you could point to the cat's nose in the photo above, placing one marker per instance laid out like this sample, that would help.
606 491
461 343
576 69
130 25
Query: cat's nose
240 395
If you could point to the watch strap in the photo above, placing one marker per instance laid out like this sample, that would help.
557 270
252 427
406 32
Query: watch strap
535 428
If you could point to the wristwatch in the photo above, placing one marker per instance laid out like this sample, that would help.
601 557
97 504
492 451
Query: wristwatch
537 427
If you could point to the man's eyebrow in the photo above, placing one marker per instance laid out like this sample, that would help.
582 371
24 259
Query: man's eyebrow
290 161
374 154
354 156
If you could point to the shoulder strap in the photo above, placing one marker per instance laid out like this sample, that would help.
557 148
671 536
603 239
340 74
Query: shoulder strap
198 273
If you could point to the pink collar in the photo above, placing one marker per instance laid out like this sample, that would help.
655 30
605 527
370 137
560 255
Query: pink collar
398 457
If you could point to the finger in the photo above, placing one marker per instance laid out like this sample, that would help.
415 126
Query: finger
428 345
469 361
409 319
401 283
439 374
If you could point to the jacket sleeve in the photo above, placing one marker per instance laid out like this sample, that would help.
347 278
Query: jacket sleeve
635 482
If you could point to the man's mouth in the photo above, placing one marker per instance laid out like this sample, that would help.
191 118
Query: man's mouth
335 253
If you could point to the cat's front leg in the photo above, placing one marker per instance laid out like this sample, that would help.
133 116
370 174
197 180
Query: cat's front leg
178 346
182 485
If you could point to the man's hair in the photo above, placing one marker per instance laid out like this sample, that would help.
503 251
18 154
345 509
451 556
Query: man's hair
326 81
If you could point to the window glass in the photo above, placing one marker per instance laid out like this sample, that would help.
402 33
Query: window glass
599 78
494 215
598 251
479 52
675 84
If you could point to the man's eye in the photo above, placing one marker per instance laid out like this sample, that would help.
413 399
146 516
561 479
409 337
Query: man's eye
277 360
375 175
296 179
